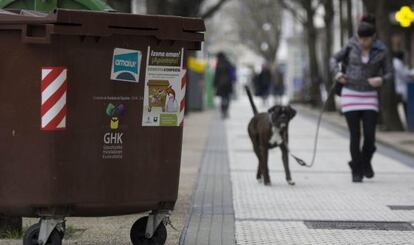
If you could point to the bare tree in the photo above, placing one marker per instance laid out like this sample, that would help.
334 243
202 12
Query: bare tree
349 22
304 11
261 27
189 8
120 5
328 19
157 7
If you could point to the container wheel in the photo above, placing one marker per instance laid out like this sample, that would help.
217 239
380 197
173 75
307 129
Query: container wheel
32 234
138 233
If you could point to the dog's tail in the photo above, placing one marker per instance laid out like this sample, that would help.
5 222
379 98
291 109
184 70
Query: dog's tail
249 94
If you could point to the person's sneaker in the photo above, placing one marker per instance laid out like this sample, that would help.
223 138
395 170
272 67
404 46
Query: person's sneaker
368 171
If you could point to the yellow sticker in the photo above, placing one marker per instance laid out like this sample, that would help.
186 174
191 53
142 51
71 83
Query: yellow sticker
405 16
114 123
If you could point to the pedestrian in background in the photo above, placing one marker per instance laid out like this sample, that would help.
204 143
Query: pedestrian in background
255 83
403 75
278 85
368 66
223 82
264 82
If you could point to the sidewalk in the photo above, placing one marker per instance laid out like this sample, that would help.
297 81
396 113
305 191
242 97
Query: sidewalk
324 207
211 219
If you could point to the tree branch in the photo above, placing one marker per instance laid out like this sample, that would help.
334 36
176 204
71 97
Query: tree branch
292 11
252 17
213 9
318 4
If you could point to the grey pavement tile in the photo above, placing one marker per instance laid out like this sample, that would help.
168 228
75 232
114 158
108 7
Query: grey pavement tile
212 199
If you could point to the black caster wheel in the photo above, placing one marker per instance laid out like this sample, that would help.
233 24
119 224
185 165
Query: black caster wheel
138 233
31 236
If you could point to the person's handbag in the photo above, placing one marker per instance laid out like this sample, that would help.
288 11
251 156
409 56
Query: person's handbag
342 67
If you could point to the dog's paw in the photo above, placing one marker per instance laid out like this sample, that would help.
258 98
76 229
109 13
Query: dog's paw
291 182
260 180
267 183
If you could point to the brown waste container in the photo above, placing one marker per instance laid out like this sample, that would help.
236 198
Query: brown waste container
77 138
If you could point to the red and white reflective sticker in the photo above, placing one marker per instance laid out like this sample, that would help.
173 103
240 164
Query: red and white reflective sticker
53 107
183 77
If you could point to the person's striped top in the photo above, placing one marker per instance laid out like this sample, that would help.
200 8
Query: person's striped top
352 100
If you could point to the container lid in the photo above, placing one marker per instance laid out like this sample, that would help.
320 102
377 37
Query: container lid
93 23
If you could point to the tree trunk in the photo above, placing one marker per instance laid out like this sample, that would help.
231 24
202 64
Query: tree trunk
389 114
157 6
328 18
313 61
370 6
349 17
188 8
341 23
9 224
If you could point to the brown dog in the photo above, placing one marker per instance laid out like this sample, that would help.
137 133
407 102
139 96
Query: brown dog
268 130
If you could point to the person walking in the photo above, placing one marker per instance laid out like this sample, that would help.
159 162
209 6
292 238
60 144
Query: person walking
403 75
223 82
264 81
278 85
368 66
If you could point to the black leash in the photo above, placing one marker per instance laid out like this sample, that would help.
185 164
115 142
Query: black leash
315 144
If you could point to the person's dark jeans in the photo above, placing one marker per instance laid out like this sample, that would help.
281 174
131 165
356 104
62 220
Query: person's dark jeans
361 159
225 104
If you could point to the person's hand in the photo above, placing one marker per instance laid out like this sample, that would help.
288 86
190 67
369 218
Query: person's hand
375 82
340 77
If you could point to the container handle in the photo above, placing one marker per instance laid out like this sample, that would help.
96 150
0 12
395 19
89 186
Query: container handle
37 34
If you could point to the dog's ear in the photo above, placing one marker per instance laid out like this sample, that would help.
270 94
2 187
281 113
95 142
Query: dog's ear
274 109
291 112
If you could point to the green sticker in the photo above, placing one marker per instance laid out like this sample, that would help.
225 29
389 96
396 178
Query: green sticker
168 120
110 109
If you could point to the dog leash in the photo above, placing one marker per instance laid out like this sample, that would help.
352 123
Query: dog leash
315 144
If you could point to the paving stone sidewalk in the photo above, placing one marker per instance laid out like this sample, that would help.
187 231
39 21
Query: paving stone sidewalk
211 218
399 141
300 214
